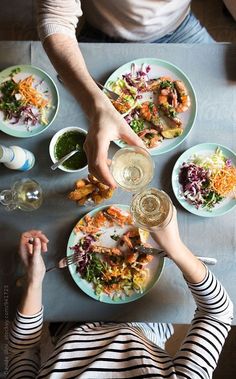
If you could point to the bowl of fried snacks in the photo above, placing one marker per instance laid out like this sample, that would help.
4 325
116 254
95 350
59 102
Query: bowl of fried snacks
90 191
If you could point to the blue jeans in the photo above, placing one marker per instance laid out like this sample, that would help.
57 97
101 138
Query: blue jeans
189 31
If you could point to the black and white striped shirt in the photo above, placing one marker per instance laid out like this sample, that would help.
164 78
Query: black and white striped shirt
127 350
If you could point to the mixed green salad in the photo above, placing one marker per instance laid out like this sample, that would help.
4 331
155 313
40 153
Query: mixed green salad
206 180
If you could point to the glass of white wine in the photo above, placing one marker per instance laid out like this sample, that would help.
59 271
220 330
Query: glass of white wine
132 168
151 209
25 194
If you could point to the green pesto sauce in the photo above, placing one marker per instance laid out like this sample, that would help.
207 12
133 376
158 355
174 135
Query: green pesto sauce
68 142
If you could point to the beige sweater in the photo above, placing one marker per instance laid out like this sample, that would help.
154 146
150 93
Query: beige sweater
133 20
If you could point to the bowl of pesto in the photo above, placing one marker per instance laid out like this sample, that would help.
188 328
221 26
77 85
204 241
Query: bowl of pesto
65 141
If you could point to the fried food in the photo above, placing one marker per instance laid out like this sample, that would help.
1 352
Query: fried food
92 179
81 183
107 194
90 189
81 192
97 198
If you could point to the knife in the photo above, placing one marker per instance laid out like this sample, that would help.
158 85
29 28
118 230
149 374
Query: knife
161 253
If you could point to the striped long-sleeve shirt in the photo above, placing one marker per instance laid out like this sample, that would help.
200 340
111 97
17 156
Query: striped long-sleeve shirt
127 350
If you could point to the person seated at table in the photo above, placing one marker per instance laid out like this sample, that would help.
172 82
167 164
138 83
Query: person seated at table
126 349
155 21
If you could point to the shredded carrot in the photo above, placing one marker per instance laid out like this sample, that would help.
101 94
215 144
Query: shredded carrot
224 181
30 95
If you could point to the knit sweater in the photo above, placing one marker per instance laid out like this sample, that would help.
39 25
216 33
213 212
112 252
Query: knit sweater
132 20
127 350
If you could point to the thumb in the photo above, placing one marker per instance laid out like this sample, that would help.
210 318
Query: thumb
131 138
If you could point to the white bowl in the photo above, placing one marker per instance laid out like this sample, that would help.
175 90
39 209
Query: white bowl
54 141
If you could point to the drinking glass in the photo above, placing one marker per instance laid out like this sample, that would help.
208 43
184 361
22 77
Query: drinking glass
132 168
25 194
151 209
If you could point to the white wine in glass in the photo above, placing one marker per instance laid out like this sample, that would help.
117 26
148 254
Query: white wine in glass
132 168
25 194
151 209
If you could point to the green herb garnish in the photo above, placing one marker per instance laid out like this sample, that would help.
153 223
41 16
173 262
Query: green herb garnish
137 125
166 84
115 237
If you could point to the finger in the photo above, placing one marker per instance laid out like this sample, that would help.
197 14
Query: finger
102 173
44 247
34 233
31 233
132 138
43 238
37 247
25 246
30 248
99 167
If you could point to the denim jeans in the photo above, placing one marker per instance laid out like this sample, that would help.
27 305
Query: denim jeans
189 31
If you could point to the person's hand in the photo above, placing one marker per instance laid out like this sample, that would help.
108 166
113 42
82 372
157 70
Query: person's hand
106 126
168 238
31 255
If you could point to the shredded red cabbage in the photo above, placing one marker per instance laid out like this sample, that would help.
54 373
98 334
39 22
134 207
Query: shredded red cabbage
83 248
195 181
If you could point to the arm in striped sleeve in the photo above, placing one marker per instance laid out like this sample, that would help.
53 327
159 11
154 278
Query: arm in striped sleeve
24 339
199 353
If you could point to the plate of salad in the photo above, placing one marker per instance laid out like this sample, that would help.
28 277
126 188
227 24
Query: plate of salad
29 101
157 101
106 268
204 179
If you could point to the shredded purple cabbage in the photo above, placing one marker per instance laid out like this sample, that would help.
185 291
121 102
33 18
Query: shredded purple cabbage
26 115
83 248
194 181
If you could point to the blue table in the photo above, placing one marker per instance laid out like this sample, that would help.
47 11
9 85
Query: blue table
212 70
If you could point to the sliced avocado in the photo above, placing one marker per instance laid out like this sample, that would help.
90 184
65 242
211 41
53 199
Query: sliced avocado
172 133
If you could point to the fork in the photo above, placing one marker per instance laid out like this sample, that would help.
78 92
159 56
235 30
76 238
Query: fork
67 261
114 96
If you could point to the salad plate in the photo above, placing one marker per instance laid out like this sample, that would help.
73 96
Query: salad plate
29 101
149 69
198 180
108 237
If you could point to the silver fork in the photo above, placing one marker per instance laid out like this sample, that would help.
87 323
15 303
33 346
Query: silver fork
66 261
114 96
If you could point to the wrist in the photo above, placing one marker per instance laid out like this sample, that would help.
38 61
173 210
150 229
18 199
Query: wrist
33 285
100 104
175 250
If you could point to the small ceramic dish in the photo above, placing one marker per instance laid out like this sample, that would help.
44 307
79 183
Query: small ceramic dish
65 141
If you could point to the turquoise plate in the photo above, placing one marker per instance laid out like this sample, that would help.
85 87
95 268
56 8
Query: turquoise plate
45 85
162 68
202 149
155 266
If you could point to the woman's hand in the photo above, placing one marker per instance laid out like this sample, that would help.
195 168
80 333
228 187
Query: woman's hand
31 255
168 238
107 125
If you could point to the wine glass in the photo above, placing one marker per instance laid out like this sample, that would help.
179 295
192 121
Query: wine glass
151 209
132 168
25 194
